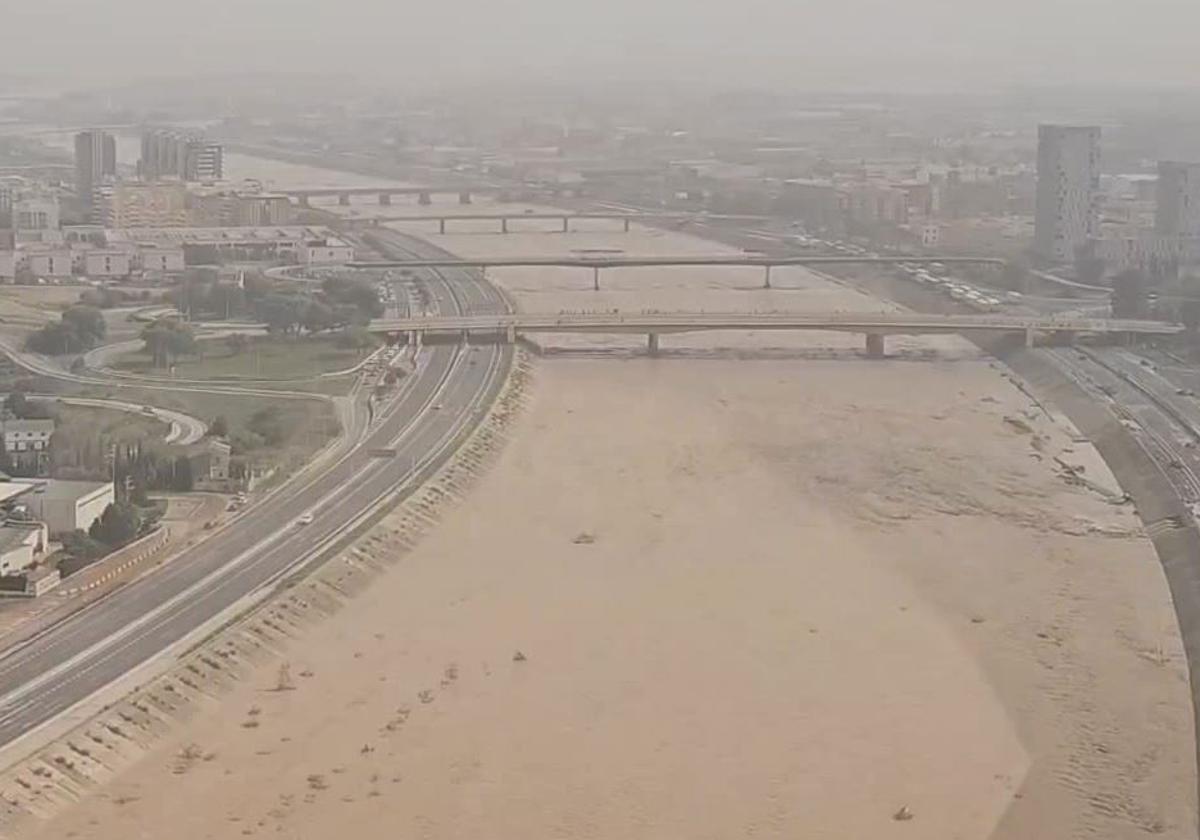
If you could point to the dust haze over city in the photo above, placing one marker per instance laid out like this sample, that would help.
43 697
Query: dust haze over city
692 420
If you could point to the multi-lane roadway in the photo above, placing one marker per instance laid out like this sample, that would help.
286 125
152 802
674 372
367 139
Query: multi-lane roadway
452 387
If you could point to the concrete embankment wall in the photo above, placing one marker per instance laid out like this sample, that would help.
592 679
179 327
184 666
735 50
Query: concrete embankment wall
1169 524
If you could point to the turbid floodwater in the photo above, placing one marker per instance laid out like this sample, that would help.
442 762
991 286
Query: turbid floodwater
760 586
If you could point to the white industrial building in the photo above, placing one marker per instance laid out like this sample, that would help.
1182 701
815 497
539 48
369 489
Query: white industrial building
107 262
22 544
45 261
64 506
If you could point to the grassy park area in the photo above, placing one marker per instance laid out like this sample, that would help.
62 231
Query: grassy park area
258 357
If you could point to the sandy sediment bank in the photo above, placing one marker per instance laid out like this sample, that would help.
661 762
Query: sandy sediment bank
706 596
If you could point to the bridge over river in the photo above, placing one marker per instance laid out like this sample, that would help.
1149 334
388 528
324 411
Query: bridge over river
874 326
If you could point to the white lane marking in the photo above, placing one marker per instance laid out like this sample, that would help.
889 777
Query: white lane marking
89 652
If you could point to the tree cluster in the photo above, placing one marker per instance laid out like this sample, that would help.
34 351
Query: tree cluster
167 339
341 303
80 328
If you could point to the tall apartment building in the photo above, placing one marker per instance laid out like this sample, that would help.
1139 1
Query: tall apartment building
1177 199
1066 214
203 161
169 153
95 162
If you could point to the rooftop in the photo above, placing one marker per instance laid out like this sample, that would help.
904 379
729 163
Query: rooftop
37 425
221 235
14 533
12 489
67 490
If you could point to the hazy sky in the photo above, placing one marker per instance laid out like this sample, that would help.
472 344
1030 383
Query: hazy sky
948 43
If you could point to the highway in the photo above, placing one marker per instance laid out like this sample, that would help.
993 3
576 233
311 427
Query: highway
1165 422
52 672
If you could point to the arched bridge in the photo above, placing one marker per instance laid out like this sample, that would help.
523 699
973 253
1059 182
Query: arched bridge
872 325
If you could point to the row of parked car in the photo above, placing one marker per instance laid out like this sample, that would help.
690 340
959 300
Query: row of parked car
980 299
934 275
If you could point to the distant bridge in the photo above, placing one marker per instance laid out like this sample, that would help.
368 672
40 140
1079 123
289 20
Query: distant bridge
873 325
386 192
565 217
598 261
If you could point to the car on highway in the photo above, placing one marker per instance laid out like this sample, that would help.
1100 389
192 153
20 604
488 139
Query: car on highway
306 519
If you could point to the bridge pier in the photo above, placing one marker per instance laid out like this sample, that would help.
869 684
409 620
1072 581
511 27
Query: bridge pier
464 198
442 225
566 228
1030 335
510 334
344 199
385 199
424 199
596 285
627 226
875 346
504 224
767 277
652 343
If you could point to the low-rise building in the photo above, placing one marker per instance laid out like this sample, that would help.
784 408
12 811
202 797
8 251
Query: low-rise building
164 260
22 544
209 460
27 443
52 261
326 251
66 506
213 245
108 262
8 266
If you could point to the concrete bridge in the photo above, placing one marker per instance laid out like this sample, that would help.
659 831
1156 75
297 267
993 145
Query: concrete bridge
384 193
598 261
874 326
504 218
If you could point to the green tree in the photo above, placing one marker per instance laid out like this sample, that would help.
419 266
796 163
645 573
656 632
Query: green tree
80 328
87 322
181 475
237 343
1129 295
317 317
1089 268
118 525
219 427
166 340
1189 314
281 312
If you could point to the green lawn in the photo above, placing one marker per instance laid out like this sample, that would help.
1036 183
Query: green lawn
309 424
263 358
76 421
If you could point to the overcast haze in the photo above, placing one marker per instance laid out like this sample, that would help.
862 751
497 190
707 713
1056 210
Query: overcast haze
943 43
